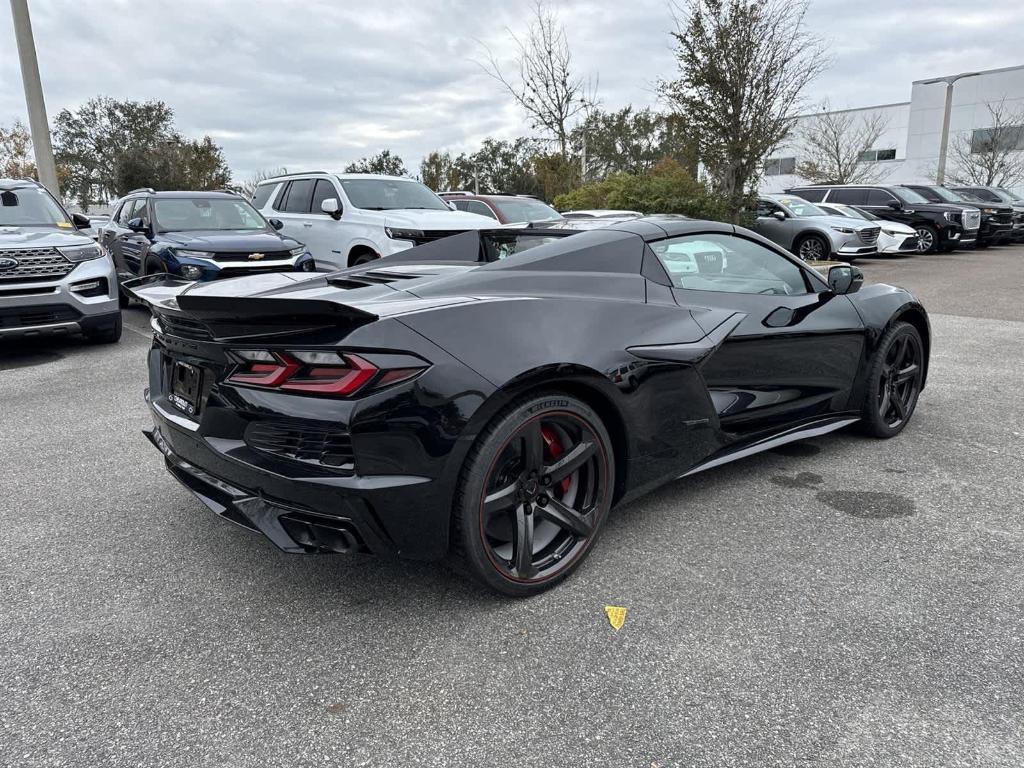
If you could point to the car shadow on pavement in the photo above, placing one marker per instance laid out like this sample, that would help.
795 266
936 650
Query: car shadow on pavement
27 353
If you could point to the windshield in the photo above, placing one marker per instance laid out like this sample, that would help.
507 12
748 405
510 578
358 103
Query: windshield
908 195
525 209
31 207
1006 195
390 195
800 208
847 210
865 214
948 196
182 214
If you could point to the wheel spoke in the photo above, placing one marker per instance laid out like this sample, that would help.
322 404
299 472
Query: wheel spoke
569 462
883 408
907 374
566 517
901 409
533 447
522 545
503 498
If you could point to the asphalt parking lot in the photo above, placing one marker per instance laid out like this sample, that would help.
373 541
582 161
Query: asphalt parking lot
838 602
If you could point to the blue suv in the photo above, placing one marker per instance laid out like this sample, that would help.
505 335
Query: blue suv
197 236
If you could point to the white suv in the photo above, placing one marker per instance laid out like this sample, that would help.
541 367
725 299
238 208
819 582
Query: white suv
351 218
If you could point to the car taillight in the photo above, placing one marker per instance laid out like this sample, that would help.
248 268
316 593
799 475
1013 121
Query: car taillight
334 374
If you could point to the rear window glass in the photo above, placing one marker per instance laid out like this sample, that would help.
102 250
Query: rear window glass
262 195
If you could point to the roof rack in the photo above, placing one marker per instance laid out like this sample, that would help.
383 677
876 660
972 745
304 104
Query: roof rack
455 193
294 173
141 189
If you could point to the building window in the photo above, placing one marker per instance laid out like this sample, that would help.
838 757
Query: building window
779 166
1008 137
874 155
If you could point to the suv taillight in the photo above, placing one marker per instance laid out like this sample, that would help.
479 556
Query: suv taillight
334 374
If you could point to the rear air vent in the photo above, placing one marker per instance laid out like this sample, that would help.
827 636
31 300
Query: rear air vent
369 278
327 447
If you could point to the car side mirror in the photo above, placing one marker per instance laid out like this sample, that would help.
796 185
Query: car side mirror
331 206
843 279
81 221
276 224
138 225
895 205
778 215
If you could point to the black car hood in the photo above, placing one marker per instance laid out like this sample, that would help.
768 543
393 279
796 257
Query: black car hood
230 240
938 207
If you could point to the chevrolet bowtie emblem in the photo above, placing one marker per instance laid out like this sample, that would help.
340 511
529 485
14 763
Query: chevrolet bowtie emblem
256 256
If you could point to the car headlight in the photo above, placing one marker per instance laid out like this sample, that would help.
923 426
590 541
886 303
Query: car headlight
193 254
890 231
951 215
990 211
79 253
844 230
190 271
297 251
403 234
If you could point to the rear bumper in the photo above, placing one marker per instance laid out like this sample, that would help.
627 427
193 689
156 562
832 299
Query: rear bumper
382 515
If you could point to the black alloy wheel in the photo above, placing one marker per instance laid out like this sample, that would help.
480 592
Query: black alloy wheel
534 494
927 238
814 248
895 380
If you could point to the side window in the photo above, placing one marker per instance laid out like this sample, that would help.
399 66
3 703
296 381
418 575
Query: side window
766 208
300 194
811 195
120 215
475 206
262 195
282 196
848 196
879 197
323 190
462 205
729 264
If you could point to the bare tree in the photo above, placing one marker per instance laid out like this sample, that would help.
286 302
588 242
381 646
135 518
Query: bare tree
994 156
544 83
834 143
248 187
16 160
743 66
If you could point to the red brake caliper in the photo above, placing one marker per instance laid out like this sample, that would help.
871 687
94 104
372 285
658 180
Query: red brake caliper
554 449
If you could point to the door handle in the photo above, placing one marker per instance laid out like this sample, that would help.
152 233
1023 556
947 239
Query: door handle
306 224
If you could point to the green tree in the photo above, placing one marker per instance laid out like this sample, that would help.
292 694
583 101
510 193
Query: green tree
176 163
743 65
439 172
632 141
668 188
16 159
90 141
383 162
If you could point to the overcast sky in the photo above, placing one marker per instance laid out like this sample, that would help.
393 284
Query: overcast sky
315 85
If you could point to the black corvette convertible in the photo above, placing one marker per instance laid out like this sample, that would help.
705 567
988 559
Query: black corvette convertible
495 401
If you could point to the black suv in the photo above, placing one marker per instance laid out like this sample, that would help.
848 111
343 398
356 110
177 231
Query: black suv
197 235
996 219
940 226
1000 196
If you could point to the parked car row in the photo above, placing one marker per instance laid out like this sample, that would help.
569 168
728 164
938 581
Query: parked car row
887 219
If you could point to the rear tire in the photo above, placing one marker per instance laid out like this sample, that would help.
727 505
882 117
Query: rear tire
894 382
533 494
364 257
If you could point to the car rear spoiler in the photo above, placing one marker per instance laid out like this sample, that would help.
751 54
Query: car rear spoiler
238 317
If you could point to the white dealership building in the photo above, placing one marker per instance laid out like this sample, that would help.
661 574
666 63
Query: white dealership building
908 149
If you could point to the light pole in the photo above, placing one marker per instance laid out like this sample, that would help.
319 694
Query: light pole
940 173
37 123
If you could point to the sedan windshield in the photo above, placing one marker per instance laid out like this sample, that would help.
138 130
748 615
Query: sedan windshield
182 214
390 195
526 209
800 208
31 207
848 210
908 195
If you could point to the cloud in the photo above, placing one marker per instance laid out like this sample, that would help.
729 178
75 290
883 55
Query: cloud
319 84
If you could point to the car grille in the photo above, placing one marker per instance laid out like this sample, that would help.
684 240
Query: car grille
43 314
34 264
245 256
869 235
324 446
227 272
1003 217
184 327
972 218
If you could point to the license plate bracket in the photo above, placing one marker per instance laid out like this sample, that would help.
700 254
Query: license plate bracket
186 387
